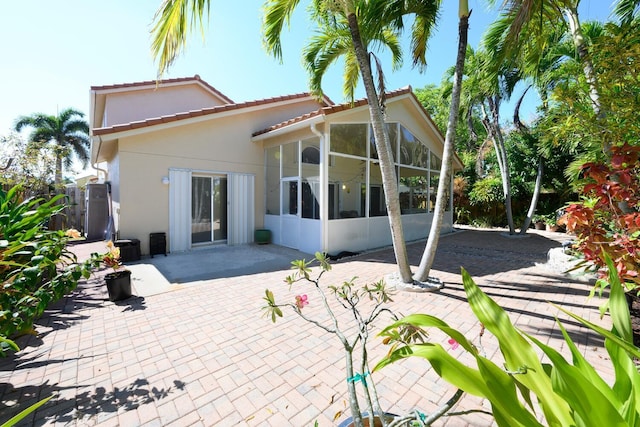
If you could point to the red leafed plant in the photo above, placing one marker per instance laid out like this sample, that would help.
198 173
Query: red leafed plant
607 220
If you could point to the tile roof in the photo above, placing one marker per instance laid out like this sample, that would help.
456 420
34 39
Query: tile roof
154 83
331 110
195 113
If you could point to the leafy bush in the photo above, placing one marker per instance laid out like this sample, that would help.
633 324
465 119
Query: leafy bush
569 393
36 269
607 220
487 191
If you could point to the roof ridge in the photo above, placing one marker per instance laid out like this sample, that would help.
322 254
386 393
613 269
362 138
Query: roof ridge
157 82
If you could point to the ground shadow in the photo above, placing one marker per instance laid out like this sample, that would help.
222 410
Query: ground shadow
224 261
134 303
63 314
9 364
480 252
86 406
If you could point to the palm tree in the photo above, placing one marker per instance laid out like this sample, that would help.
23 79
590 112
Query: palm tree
429 253
67 134
542 70
349 28
530 18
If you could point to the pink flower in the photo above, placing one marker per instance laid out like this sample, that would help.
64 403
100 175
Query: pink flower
453 343
301 301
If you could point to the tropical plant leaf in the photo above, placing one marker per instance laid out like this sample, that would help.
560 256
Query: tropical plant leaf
587 400
517 351
13 421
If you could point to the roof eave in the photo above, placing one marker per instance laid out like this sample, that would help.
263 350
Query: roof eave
302 124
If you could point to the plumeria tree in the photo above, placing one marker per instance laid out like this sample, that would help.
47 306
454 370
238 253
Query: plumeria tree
365 305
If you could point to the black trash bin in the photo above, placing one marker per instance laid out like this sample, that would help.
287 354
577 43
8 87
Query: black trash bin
157 244
129 249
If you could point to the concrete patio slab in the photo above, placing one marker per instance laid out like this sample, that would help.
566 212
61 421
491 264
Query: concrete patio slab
202 355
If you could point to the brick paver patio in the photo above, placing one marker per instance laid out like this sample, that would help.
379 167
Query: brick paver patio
204 356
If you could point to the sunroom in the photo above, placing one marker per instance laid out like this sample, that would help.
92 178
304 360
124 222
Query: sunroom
323 189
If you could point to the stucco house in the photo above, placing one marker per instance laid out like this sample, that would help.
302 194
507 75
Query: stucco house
184 159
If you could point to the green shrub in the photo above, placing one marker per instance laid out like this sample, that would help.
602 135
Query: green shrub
36 269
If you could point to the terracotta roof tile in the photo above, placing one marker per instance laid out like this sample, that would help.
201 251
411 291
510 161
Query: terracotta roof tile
331 110
196 113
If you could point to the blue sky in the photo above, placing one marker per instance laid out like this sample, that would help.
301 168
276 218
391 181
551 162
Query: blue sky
53 51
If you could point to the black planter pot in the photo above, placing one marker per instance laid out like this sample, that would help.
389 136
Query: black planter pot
118 285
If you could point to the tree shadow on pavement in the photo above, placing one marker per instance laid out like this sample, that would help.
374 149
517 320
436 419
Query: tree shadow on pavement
88 406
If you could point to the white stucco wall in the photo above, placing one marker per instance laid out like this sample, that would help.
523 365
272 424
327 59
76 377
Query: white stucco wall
127 107
218 144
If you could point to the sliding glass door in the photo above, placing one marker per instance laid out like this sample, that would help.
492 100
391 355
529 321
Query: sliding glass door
208 209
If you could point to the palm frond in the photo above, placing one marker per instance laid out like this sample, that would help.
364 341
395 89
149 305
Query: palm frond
626 10
277 14
324 49
171 28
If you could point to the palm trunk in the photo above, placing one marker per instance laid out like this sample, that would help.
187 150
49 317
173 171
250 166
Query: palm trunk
522 128
494 104
516 112
387 168
429 253
587 66
534 197
494 132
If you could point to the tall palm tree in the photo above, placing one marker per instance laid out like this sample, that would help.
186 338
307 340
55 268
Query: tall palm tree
542 71
349 28
376 16
67 134
429 253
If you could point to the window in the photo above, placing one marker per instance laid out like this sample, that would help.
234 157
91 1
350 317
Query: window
349 139
290 160
290 197
412 152
436 163
272 196
310 170
348 175
433 190
311 155
392 128
413 190
310 196
377 204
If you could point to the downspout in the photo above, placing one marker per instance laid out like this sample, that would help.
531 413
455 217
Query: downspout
95 165
324 217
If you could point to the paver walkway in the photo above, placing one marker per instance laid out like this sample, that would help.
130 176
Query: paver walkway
204 356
